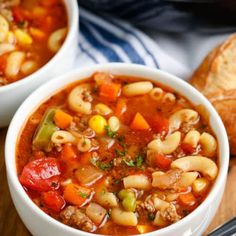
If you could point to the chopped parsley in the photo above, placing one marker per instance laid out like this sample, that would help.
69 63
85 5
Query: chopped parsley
83 195
101 165
135 163
121 139
139 160
110 133
151 216
129 163
120 153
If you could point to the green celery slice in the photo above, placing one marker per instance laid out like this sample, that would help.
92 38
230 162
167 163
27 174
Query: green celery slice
42 137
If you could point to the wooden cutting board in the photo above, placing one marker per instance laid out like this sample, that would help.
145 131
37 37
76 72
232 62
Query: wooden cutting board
11 224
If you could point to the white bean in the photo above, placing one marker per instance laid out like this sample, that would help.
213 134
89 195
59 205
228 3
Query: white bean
102 109
4 28
137 88
28 67
14 61
5 48
114 123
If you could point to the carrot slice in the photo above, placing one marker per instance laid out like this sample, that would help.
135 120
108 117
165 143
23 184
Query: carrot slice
187 199
110 91
76 194
62 119
68 153
139 123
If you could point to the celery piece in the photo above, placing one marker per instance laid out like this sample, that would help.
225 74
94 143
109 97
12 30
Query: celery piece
45 130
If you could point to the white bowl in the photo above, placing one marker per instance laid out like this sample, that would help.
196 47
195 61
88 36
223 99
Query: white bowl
12 95
39 223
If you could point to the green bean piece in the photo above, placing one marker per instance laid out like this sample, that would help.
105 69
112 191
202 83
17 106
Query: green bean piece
45 130
129 203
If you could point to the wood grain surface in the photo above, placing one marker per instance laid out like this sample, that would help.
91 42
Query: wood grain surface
11 224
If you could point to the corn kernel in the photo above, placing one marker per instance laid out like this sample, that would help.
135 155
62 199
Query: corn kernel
200 185
22 37
98 123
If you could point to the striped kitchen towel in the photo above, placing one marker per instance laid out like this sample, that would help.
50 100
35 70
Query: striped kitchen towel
106 39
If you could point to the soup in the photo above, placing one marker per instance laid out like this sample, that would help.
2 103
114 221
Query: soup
117 155
31 32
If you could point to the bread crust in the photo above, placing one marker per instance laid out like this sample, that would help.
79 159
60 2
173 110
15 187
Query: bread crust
216 79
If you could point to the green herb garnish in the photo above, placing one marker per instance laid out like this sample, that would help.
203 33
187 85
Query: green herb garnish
83 195
151 216
129 163
110 133
120 152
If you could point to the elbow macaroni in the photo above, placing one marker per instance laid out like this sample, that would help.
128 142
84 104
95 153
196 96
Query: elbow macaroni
167 146
76 100
208 144
201 164
56 38
61 136
181 116
192 138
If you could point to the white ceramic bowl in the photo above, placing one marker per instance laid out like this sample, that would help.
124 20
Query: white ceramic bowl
41 224
13 94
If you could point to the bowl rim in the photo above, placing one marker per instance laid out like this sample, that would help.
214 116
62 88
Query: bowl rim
11 138
73 19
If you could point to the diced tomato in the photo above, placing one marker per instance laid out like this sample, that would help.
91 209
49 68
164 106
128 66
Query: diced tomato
162 161
3 62
53 200
47 24
41 175
48 3
187 148
20 14
160 124
68 153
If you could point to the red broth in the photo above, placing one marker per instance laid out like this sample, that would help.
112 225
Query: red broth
32 32
110 156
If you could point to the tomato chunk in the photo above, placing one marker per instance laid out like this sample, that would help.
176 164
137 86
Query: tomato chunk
41 175
53 200
187 148
160 124
162 161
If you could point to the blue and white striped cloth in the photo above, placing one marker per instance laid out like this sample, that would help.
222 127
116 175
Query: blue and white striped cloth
104 39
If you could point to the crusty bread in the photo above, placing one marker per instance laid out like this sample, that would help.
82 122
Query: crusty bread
216 79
